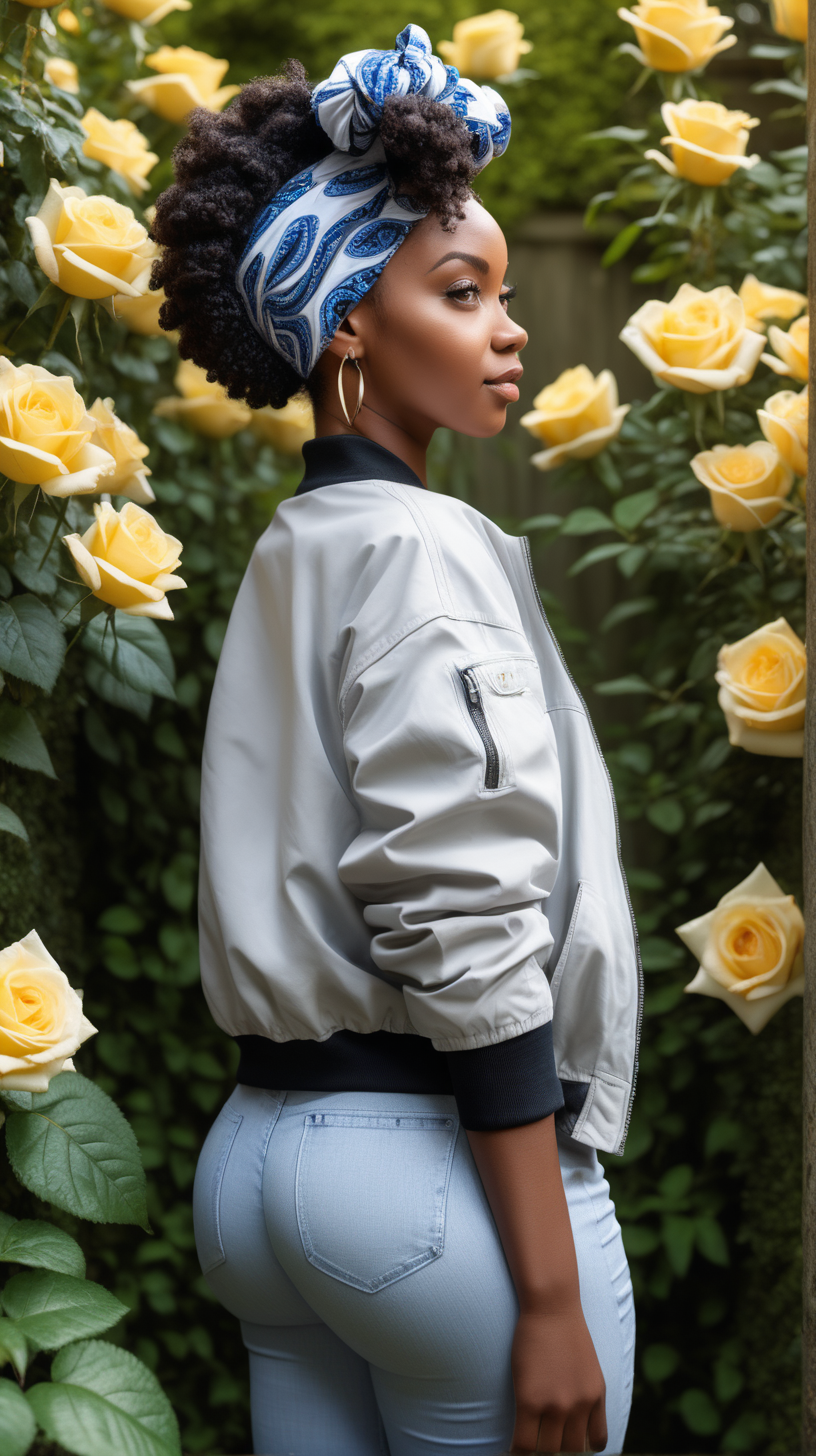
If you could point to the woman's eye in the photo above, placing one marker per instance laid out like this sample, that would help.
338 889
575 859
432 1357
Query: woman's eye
507 294
465 292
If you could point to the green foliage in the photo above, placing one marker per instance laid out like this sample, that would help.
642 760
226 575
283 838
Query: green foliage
101 1400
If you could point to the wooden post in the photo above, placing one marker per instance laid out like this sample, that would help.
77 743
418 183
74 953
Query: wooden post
809 835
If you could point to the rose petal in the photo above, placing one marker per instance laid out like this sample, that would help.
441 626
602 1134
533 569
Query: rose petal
90 468
755 1014
84 561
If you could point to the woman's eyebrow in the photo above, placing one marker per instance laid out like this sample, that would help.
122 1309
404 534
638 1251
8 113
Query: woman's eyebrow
479 264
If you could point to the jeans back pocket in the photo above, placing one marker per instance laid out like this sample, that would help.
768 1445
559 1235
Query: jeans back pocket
371 1192
209 1178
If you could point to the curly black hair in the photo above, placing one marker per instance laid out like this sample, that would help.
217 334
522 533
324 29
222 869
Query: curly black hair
228 167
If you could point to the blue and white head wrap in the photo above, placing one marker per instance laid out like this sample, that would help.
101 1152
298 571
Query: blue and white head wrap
324 239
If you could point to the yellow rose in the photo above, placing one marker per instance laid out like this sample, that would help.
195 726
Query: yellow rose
130 476
784 421
62 73
204 406
120 146
189 78
762 302
707 141
487 46
576 417
89 246
699 342
147 12
792 348
678 35
46 435
69 22
748 483
41 1020
762 682
126 560
790 18
750 949
287 429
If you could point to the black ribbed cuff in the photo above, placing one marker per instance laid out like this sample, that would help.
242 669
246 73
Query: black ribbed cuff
509 1084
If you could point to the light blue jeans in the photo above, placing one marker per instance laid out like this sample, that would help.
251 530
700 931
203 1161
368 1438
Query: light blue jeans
350 1234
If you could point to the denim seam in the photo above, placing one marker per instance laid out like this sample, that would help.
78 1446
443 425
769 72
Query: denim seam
215 1197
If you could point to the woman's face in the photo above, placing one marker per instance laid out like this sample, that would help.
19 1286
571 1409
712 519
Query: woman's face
434 339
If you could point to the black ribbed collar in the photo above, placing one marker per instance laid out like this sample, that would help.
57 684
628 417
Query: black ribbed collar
333 459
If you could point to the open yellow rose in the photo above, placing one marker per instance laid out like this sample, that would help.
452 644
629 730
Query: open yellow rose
204 406
41 1019
698 342
68 22
128 561
287 429
762 682
188 79
790 18
147 12
91 247
120 146
748 483
791 348
749 949
784 421
678 35
707 141
486 46
46 434
62 73
763 302
130 476
576 417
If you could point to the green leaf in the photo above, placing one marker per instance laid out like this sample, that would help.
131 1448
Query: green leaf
639 1241
111 690
136 653
53 1309
699 1412
42 1246
620 245
17 1424
598 553
617 134
710 1240
666 815
715 809
73 1147
632 510
659 1361
121 920
539 523
11 823
624 611
617 686
585 522
658 954
21 742
32 645
631 560
102 1399
678 1241
13 1347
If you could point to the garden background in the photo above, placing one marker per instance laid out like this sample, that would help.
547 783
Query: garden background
708 1190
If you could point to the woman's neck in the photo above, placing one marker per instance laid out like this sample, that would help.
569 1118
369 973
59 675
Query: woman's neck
370 424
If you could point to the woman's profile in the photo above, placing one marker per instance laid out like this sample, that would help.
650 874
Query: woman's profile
414 919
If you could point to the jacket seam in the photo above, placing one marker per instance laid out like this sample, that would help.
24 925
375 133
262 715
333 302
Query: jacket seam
429 539
508 1032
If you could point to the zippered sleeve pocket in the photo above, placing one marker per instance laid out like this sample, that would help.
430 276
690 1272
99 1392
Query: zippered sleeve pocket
492 691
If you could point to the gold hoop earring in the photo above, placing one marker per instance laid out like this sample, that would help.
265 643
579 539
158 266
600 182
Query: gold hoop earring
349 354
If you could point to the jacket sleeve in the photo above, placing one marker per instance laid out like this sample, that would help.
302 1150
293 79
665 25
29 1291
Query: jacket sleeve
454 772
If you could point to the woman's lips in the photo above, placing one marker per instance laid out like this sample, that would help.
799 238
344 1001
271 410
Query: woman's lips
505 384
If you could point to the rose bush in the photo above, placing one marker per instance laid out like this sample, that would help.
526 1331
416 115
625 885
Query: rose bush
747 483
91 247
62 73
188 78
127 561
679 35
784 421
46 434
698 342
203 405
577 416
762 303
121 146
762 680
750 949
130 475
791 350
486 46
707 141
41 1020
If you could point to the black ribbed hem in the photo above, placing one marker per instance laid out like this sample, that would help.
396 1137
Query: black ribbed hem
509 1084
495 1086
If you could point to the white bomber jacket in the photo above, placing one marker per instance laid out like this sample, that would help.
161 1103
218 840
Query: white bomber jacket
410 872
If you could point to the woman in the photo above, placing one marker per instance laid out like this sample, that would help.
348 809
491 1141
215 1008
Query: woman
409 844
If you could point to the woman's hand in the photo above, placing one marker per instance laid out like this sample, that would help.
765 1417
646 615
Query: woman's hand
559 1388
558 1384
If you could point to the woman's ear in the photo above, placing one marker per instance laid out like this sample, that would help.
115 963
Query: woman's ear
348 336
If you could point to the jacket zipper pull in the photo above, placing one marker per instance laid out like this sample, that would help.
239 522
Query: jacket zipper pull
472 688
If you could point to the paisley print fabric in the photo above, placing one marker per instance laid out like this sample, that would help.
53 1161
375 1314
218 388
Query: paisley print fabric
322 242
